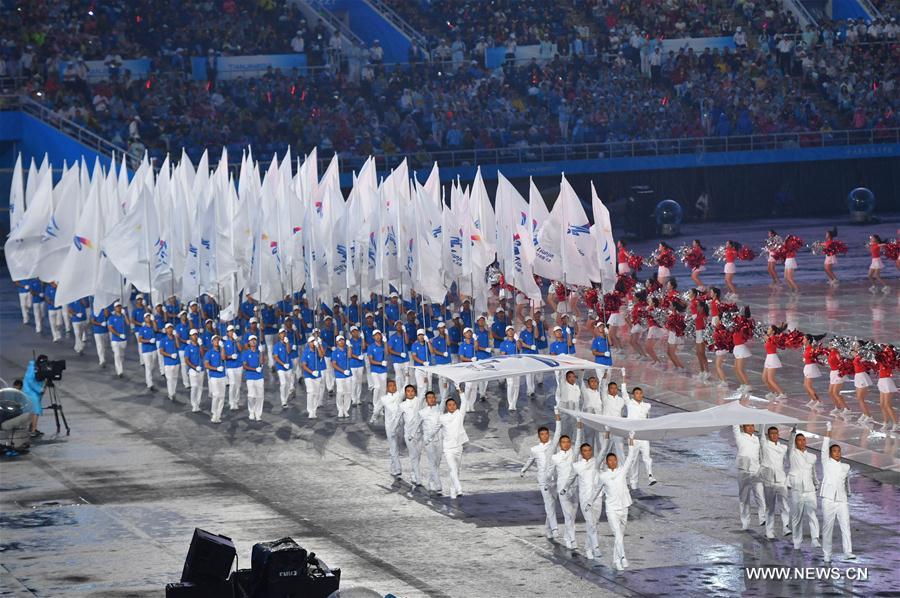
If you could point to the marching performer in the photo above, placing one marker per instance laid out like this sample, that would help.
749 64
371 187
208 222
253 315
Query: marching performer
314 363
396 350
389 404
193 356
835 493
253 361
835 382
697 250
772 363
356 351
613 404
168 351
440 350
731 253
377 359
637 408
741 354
100 330
830 259
421 355
876 265
451 427
749 483
586 472
803 484
770 259
811 370
861 382
774 480
886 390
700 340
343 376
214 362
117 325
429 418
510 346
600 350
233 367
613 483
411 420
281 355
562 462
147 341
541 456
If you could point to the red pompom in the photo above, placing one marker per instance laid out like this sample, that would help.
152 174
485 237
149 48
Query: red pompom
745 254
675 323
612 303
635 262
891 250
789 340
722 339
627 282
590 298
835 248
666 258
793 243
695 259
726 307
846 367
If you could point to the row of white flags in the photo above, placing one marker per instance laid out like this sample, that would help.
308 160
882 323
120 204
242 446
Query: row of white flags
187 230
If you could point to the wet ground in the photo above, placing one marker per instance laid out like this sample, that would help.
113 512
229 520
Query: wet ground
109 510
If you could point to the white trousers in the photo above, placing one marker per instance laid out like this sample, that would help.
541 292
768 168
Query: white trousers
356 384
643 448
100 341
529 383
315 389
344 395
591 519
160 362
379 386
234 375
777 495
217 394
400 375
196 378
803 504
184 369
512 392
137 342
56 323
369 382
286 382
25 304
393 437
433 453
750 486
414 446
38 308
569 504
329 377
255 394
832 510
171 373
453 457
149 361
78 329
67 319
549 494
618 519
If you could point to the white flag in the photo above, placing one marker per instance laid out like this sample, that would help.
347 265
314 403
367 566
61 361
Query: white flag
23 248
57 237
78 273
16 196
601 232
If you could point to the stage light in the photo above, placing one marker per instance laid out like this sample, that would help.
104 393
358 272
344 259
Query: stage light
668 215
861 204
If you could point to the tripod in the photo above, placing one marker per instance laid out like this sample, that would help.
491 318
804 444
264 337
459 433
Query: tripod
56 406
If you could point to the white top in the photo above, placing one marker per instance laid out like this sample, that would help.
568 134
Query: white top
563 461
592 400
569 395
453 428
747 450
409 412
587 472
771 462
429 420
541 455
390 404
613 405
614 482
637 409
835 477
802 475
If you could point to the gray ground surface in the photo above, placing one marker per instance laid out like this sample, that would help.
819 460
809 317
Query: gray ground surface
109 510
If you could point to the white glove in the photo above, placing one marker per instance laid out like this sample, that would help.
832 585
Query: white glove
384 363
318 342
623 372
534 347
259 370
153 340
220 369
233 356
606 354
556 410
446 354
293 347
828 426
402 355
122 336
346 372
474 359
372 421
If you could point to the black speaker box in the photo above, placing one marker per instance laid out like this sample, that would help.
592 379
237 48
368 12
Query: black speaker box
209 558
278 566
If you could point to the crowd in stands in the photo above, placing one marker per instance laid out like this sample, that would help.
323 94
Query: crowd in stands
818 81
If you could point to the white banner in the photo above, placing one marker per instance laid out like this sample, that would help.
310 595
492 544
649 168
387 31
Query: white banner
508 366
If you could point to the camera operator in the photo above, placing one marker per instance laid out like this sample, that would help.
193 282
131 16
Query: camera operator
34 389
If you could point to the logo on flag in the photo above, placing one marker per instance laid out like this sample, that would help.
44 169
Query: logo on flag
578 229
82 242
52 229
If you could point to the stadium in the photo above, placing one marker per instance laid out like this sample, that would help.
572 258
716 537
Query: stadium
449 297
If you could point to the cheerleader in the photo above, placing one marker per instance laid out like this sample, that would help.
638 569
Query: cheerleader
674 339
772 363
835 382
886 388
875 245
714 301
662 272
830 260
790 264
622 258
741 354
637 326
699 342
654 331
811 370
697 250
861 382
616 320
731 252
773 236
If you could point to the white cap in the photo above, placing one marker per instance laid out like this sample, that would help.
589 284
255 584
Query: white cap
339 337
192 303
208 321
254 320
148 316
499 309
394 294
352 328
282 329
328 318
410 311
229 328
370 315
376 331
420 331
311 339
599 324
182 313
555 328
192 332
467 329
214 337
441 325
510 328
252 337
117 304
168 325
529 319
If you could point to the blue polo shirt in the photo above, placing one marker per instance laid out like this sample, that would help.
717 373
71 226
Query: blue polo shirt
559 348
355 345
392 312
181 330
367 333
467 349
269 320
247 308
120 328
147 334
192 356
397 343
251 359
483 337
214 358
232 353
567 336
508 347
312 360
602 345
100 326
420 350
439 343
455 334
466 317
79 312
541 336
50 295
137 315
340 362
527 338
498 329
376 352
169 345
282 350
